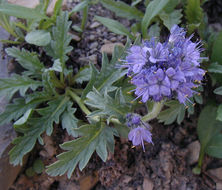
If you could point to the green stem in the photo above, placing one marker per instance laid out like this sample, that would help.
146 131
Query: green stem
78 100
155 111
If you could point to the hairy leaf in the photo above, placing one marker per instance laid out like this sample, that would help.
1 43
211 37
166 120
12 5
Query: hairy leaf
218 90
9 86
114 26
219 113
59 45
193 11
26 59
37 125
69 121
38 37
152 10
169 19
106 105
107 76
21 12
16 109
96 137
176 111
122 9
83 75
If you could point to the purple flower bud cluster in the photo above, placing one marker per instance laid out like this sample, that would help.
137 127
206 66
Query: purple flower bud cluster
140 131
169 69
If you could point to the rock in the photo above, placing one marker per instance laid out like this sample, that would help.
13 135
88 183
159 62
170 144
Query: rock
109 48
88 182
113 39
91 37
193 152
216 173
126 179
93 45
219 186
91 58
94 25
147 184
25 3
75 37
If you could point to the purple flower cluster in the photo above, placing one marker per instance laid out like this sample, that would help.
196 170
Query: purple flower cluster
140 131
169 69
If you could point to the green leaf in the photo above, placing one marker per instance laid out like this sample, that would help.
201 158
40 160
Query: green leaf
26 59
193 11
37 125
96 137
23 119
152 10
83 75
176 111
57 66
218 91
80 6
69 121
219 113
38 166
59 46
215 146
21 12
208 127
29 172
106 77
16 109
122 9
114 26
38 37
216 52
169 19
154 31
9 86
215 68
171 6
106 105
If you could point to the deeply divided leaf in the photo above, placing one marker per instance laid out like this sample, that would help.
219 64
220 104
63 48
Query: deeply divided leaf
95 137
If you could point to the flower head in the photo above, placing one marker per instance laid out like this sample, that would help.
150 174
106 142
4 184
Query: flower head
165 70
139 130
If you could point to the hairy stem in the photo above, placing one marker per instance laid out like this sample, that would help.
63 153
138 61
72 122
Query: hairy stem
155 111
78 100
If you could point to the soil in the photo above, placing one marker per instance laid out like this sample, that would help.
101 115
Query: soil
163 166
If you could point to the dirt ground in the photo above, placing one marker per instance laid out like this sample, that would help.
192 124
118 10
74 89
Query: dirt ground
166 165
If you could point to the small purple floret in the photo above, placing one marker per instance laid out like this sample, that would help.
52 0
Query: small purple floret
166 70
140 131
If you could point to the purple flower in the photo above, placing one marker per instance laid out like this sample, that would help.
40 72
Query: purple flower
139 130
166 70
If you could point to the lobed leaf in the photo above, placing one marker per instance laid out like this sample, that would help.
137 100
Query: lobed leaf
37 125
106 105
26 59
96 137
59 45
69 121
9 86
